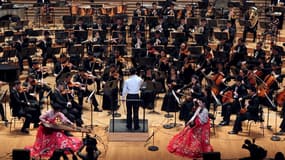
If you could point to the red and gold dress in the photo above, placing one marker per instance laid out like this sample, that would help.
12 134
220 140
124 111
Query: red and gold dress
48 140
192 142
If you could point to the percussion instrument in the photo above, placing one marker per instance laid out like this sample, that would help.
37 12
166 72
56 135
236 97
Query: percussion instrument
108 10
74 9
85 10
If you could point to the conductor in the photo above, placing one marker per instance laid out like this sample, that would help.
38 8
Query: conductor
130 93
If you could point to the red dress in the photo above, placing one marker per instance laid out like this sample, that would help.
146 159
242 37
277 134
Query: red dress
48 140
192 142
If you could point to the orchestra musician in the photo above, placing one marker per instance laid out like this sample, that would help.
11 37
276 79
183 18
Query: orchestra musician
151 52
130 93
110 79
188 11
259 53
222 52
90 64
139 11
137 26
83 79
2 95
161 25
170 104
250 111
62 66
183 52
21 45
118 27
239 53
231 30
80 26
232 100
38 86
45 46
60 99
48 139
154 11
21 107
138 41
158 39
248 28
102 27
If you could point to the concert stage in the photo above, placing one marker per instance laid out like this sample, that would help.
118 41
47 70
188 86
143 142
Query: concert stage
119 131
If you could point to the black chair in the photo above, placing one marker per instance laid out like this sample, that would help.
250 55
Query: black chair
256 120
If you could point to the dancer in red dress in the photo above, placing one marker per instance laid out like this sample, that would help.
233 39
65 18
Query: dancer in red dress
193 141
48 140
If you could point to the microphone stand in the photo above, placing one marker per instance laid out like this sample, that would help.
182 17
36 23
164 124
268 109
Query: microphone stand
275 136
152 147
91 106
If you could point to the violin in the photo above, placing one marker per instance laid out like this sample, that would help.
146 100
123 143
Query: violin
218 78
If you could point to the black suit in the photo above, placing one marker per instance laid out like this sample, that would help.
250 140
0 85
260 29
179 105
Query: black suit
252 113
59 100
229 108
22 54
240 55
20 109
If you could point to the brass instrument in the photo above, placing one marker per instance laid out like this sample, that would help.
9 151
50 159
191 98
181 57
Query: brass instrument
253 16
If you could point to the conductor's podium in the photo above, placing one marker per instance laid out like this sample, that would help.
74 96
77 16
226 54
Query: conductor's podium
119 132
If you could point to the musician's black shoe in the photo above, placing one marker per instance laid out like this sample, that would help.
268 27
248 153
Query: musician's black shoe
129 127
24 130
137 127
97 109
233 132
224 123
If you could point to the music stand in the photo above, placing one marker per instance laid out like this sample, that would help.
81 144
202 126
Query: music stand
233 4
175 35
212 22
202 5
151 20
81 35
193 21
221 35
146 61
60 37
68 21
113 85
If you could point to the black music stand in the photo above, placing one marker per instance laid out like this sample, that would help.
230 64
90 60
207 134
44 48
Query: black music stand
8 53
233 4
151 21
175 35
81 35
193 21
212 22
221 35
148 93
76 52
91 107
68 21
113 86
60 37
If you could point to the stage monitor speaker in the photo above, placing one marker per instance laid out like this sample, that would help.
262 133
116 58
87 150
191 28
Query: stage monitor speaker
21 154
212 156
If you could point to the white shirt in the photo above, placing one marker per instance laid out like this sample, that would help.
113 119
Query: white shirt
132 85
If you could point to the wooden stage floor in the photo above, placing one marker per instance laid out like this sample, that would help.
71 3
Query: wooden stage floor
228 145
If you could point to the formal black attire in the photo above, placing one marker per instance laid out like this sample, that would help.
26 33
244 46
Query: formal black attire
240 54
60 101
252 113
45 46
229 108
83 90
21 109
21 48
